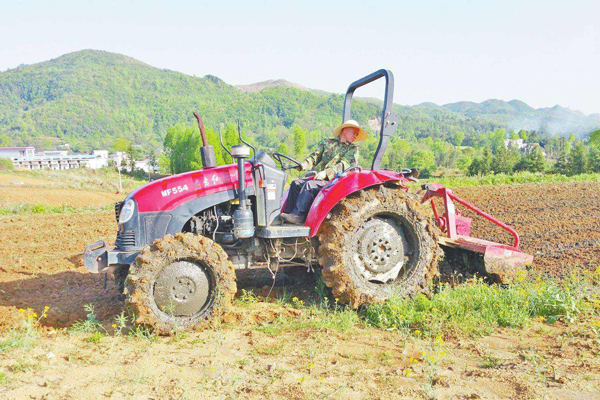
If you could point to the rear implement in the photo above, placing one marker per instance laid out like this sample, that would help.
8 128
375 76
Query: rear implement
500 263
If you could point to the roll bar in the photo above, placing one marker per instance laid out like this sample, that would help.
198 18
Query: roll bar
389 119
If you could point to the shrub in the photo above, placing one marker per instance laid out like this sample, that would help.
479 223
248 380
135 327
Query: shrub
6 165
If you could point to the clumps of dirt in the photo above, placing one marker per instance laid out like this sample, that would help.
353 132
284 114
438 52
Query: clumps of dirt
40 265
557 222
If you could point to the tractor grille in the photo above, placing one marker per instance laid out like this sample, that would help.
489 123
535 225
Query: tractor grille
125 240
118 206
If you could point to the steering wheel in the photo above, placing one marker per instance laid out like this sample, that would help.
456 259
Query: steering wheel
284 165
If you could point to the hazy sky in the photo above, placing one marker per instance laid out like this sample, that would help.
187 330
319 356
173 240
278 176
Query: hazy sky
542 52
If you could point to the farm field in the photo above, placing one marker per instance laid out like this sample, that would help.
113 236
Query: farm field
279 349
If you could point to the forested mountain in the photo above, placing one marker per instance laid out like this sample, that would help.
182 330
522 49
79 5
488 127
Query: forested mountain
90 98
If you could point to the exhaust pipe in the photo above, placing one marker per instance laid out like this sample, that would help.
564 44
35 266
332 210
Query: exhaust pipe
207 152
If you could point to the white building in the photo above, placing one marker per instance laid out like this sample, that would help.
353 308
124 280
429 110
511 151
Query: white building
16 152
525 148
55 159
100 160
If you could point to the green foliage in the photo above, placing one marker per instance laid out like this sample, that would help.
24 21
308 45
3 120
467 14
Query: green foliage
463 163
482 165
523 134
594 159
283 149
595 138
299 137
230 136
6 164
577 161
132 156
497 139
182 147
532 162
458 138
422 160
504 160
5 140
121 144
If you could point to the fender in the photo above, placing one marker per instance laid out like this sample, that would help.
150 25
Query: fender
169 193
343 186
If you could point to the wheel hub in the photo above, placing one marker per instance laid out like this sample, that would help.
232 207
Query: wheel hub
182 289
380 250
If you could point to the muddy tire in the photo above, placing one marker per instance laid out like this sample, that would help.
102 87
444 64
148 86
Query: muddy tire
180 282
377 243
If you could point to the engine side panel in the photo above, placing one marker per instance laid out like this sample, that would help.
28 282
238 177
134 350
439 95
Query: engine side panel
171 192
340 188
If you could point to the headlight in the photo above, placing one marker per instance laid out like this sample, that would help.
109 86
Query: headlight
127 211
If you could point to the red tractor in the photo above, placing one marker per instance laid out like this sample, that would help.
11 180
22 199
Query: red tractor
181 238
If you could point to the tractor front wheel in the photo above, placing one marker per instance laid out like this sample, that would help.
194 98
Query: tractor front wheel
180 282
377 243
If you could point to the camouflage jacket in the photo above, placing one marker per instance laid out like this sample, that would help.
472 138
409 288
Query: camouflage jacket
332 156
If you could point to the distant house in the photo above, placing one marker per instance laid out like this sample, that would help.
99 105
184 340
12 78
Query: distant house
16 152
517 144
525 148
26 158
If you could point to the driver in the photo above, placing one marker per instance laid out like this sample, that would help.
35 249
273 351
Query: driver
331 156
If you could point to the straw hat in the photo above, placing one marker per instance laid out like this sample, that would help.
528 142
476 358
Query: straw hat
362 134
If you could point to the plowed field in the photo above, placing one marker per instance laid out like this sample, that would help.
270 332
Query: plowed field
559 223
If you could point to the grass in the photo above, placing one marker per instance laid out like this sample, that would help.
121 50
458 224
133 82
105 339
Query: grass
476 308
516 178
26 209
103 179
472 309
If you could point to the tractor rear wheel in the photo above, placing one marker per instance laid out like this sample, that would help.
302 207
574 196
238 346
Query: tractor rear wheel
180 282
377 243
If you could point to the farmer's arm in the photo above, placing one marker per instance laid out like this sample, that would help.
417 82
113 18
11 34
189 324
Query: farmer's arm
313 159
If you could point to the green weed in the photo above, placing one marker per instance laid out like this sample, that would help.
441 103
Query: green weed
247 298
21 209
476 308
24 333
90 324
505 179
95 337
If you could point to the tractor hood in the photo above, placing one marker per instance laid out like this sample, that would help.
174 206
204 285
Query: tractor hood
168 193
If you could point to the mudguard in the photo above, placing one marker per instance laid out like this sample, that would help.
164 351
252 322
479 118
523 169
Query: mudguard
341 187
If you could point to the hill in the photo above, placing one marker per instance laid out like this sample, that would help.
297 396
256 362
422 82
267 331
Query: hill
516 115
89 98
257 87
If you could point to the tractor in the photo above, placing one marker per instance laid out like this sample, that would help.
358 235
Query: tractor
181 238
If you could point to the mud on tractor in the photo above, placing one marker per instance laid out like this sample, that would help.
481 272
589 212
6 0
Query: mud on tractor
181 238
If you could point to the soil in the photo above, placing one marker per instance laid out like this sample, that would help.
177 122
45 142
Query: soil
558 222
41 264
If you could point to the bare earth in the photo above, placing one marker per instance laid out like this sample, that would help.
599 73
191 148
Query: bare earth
40 264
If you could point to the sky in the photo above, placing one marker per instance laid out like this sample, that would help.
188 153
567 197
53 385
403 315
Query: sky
541 52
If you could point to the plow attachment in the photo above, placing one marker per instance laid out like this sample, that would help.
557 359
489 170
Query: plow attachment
499 263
